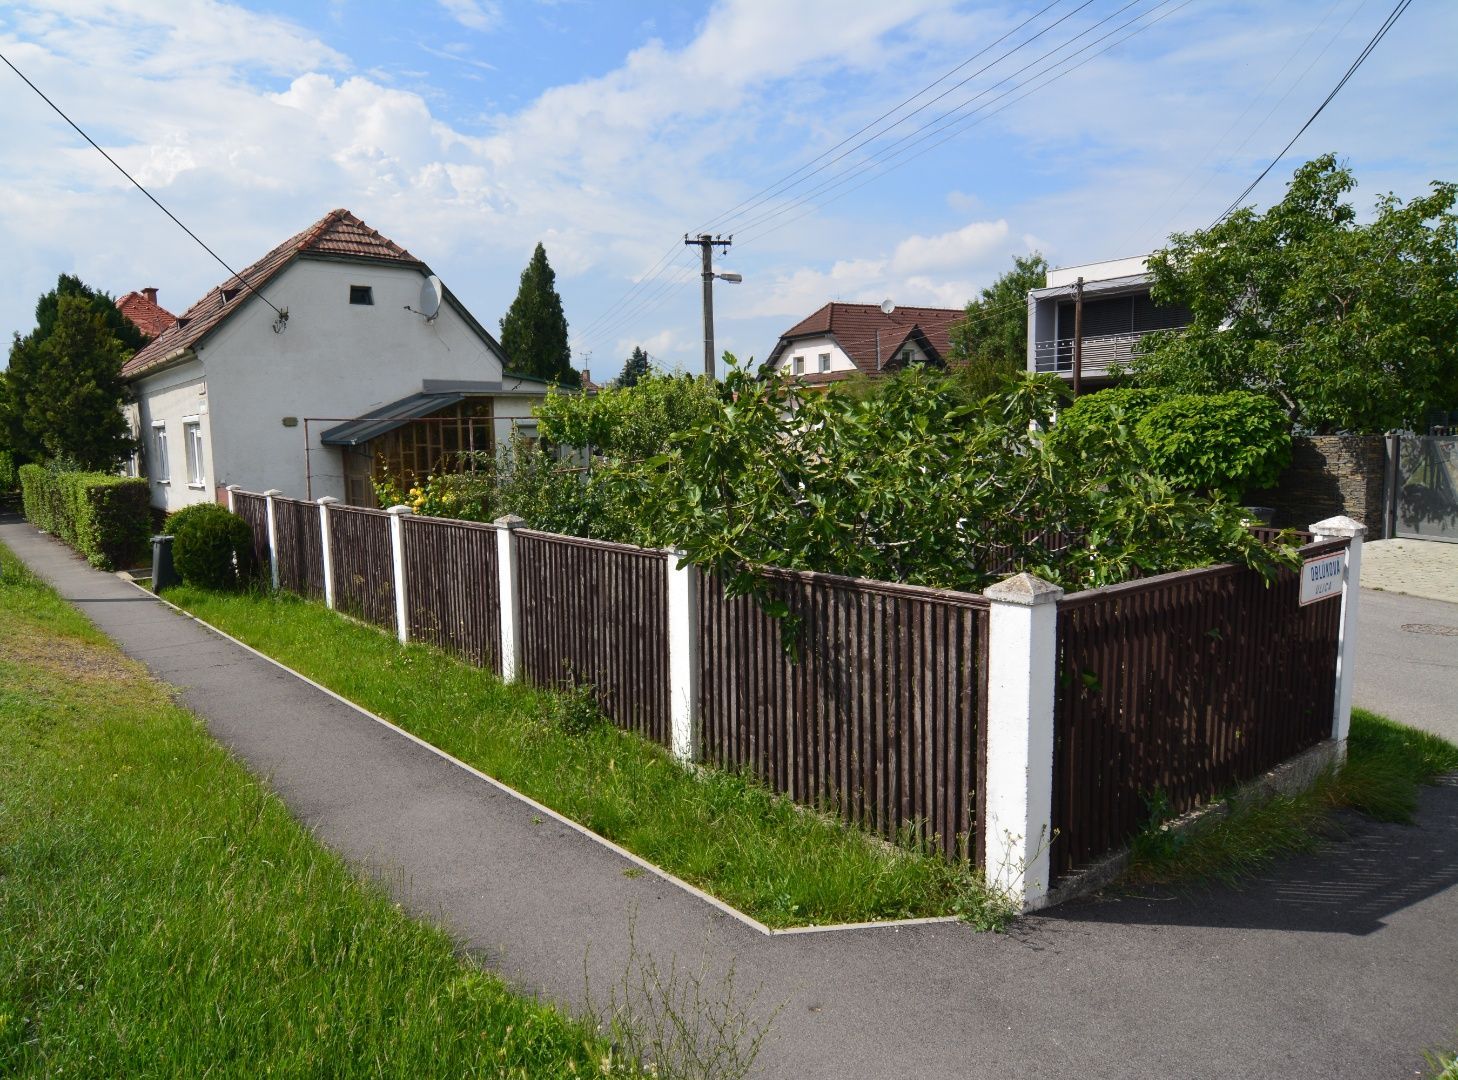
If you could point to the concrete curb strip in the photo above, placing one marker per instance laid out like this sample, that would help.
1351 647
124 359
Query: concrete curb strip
636 860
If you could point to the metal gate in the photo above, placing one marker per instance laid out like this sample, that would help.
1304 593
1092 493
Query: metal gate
1422 500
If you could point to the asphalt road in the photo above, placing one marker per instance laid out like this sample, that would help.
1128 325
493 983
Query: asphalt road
1342 965
1407 660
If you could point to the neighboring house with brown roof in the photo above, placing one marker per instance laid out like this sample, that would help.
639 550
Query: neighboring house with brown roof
348 381
141 307
841 340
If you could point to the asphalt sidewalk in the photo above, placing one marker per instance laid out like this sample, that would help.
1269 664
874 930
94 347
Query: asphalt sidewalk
1342 965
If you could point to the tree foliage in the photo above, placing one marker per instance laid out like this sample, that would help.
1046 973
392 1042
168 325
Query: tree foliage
917 487
992 341
62 392
635 368
628 421
534 328
1230 443
1348 326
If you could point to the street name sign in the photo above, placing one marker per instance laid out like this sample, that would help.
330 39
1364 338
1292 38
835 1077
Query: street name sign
1322 577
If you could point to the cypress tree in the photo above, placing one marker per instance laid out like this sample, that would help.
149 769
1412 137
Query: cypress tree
634 368
534 329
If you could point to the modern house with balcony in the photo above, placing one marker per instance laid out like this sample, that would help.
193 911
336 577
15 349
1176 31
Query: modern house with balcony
1117 313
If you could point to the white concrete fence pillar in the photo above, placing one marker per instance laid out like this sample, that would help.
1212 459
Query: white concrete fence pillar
1022 669
326 549
232 490
510 594
683 657
268 497
397 563
1338 528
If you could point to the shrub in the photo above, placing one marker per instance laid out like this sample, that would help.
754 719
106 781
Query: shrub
212 547
1226 443
9 478
106 518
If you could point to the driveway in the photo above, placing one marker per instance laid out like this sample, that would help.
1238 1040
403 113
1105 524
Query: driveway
1407 660
1339 966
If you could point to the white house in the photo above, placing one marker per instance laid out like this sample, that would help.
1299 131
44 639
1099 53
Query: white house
310 372
841 340
1117 312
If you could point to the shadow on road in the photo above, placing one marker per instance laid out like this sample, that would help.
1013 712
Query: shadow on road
1350 886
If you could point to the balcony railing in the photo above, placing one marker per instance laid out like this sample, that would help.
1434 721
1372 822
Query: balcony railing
1099 353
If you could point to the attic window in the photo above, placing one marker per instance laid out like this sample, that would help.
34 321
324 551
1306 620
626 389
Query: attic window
361 294
229 295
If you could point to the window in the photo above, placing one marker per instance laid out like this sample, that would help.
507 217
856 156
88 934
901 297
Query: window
159 453
825 361
908 355
192 439
799 365
361 294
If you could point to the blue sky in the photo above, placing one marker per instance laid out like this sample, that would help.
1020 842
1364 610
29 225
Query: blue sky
468 130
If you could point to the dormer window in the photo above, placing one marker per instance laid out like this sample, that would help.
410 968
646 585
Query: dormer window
361 294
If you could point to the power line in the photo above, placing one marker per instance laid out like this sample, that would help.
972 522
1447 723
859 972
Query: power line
961 124
1387 25
281 314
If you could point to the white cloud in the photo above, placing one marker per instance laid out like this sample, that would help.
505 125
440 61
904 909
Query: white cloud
949 251
474 14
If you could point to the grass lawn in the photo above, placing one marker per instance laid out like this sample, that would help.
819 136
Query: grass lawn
162 914
725 833
1386 765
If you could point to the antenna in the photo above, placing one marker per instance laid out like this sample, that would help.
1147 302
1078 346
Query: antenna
431 292
887 306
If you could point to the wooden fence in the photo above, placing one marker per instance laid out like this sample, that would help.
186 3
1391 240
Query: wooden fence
1179 687
876 715
593 612
453 587
254 510
300 556
363 564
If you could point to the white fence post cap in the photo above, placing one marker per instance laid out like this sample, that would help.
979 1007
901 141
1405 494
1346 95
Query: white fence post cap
400 510
324 500
275 492
233 487
1024 589
510 521
1339 526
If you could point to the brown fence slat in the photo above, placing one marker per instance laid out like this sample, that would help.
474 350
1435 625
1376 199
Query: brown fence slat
453 586
254 510
597 613
363 573
879 718
1184 685
300 554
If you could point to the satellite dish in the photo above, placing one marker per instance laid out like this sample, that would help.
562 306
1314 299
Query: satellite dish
430 295
887 306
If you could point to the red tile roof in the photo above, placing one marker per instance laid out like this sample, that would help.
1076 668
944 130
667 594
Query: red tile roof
338 234
150 317
856 327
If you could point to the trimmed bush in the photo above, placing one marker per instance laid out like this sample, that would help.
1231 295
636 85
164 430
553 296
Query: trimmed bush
1229 443
212 547
9 478
106 518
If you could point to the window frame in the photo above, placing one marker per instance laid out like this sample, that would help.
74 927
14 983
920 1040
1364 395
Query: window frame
366 291
823 362
161 458
192 446
797 365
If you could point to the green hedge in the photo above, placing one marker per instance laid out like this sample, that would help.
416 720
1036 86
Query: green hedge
106 518
9 478
211 547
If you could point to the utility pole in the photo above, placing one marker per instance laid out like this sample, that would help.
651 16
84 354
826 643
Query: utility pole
706 245
1077 337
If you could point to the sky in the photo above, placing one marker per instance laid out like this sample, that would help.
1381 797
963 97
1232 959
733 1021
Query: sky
470 130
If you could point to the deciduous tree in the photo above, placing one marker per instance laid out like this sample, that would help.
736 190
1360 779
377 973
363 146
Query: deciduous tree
992 341
1349 326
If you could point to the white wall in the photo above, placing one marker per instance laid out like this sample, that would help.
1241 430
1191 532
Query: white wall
172 397
810 349
335 360
1098 271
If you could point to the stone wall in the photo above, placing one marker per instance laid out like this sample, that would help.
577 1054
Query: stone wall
1330 475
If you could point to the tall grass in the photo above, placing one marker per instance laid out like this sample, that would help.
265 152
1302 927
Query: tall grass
161 913
725 833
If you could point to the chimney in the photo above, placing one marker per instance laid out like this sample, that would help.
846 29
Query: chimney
150 292
586 376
